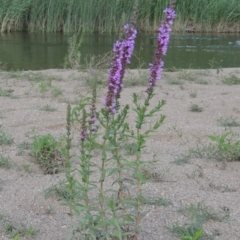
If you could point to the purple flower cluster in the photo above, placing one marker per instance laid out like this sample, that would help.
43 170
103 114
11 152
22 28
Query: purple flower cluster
161 48
122 53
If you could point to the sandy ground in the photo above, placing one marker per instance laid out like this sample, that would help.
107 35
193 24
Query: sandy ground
209 182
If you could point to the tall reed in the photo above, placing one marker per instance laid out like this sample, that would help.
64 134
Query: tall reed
107 16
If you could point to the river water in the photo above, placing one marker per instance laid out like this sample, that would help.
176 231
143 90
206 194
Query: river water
35 51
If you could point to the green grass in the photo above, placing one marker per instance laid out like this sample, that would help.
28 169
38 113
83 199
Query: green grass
45 149
105 15
157 201
56 91
174 81
195 108
193 94
224 147
59 190
48 108
5 93
5 139
231 80
4 162
229 122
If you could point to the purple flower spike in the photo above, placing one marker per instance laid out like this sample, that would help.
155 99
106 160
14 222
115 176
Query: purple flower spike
114 77
83 135
128 47
122 53
161 47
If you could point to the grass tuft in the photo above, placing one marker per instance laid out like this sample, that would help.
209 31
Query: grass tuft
45 150
195 108
5 139
228 122
231 80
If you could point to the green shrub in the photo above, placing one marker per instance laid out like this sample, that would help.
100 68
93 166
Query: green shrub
45 150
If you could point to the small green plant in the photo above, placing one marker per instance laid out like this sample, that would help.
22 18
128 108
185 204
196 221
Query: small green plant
59 190
201 81
151 174
73 58
5 139
48 108
226 148
231 80
195 108
181 160
157 201
26 167
186 231
15 231
4 162
174 81
43 87
187 75
56 91
215 65
200 213
193 94
229 122
45 150
5 93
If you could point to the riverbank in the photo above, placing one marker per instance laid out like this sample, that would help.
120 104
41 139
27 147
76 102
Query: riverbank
108 16
186 181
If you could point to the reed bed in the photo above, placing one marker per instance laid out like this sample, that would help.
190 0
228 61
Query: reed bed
109 16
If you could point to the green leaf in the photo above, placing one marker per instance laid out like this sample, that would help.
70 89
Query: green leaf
128 218
198 234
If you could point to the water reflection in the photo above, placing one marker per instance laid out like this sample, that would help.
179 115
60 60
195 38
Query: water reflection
42 51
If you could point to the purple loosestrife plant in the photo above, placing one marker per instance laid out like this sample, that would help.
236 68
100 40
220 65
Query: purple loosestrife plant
122 54
161 47
112 211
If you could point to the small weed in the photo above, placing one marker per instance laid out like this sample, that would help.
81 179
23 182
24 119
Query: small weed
4 162
26 167
5 139
216 65
45 150
151 174
48 108
59 190
193 94
195 108
43 87
184 159
187 231
201 81
187 75
134 81
129 148
157 202
16 232
36 77
174 81
5 93
31 231
231 80
49 210
23 145
201 213
229 122
14 74
56 91
226 148
197 173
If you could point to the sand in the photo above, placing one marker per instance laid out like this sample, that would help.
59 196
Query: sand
208 182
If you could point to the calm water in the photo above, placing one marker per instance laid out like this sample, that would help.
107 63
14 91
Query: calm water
34 51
